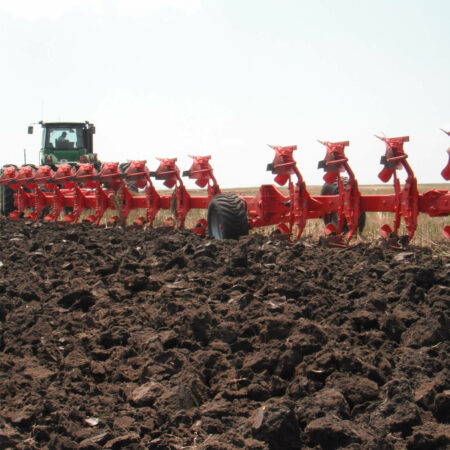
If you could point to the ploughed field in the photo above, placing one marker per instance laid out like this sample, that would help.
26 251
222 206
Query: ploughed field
114 338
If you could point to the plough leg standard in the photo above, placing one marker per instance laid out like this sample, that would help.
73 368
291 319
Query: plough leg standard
41 193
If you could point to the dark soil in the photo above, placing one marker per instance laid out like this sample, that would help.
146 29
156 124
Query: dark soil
115 338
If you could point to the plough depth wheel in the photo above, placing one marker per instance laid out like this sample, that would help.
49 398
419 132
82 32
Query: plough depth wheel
227 217
333 189
7 200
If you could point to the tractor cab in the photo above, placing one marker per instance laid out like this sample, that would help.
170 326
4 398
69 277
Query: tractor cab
66 142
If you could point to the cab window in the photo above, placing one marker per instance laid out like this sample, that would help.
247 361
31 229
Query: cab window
64 138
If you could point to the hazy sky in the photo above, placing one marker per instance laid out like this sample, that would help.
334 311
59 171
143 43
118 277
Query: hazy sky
226 77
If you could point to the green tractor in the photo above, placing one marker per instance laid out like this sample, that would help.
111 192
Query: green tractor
66 142
62 142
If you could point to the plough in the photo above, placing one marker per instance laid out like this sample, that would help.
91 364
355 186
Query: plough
70 193
41 193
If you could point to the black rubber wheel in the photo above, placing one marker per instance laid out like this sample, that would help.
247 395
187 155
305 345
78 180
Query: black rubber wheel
45 212
227 217
7 200
173 205
123 167
333 189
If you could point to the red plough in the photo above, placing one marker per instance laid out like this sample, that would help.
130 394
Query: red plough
69 193
446 175
345 209
41 193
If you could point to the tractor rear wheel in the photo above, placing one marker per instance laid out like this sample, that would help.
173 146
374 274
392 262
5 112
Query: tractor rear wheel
333 189
227 217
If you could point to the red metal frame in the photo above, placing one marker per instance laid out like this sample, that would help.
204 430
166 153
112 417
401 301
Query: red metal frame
113 187
446 175
39 189
272 207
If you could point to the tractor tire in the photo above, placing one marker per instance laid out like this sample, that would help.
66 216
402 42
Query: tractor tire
333 189
227 217
6 200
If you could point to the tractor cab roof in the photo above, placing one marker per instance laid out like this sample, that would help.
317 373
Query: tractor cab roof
65 124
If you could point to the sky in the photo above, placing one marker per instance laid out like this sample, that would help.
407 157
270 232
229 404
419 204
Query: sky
172 78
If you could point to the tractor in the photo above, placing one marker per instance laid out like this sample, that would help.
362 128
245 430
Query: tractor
66 142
